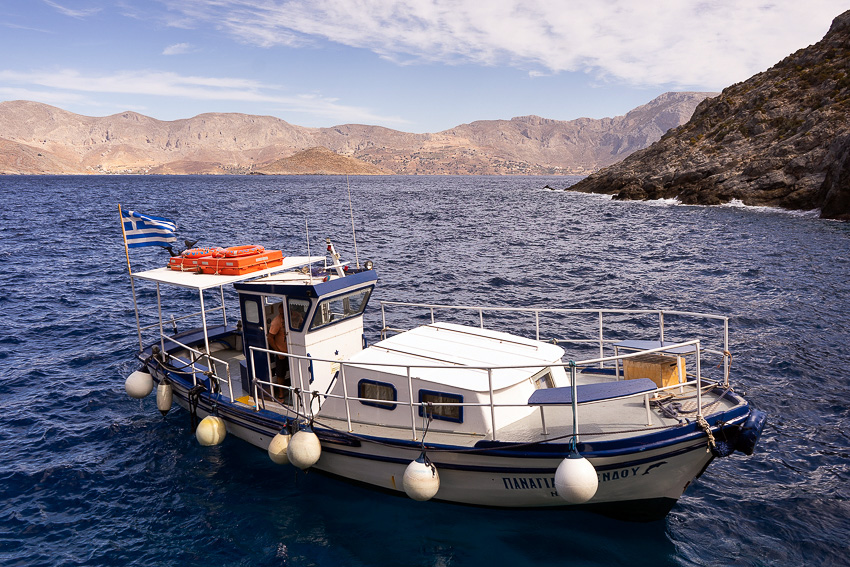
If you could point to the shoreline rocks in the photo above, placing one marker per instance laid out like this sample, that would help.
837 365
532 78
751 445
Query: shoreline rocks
781 138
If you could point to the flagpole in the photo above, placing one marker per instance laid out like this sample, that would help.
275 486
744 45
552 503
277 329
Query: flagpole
130 271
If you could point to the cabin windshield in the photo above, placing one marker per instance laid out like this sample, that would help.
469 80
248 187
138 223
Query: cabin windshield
340 308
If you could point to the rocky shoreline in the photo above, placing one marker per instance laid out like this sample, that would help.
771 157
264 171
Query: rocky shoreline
781 138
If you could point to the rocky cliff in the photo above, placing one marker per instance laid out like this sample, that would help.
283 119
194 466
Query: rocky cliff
781 138
37 138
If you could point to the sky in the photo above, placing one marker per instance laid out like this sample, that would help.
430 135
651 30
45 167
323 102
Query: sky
416 65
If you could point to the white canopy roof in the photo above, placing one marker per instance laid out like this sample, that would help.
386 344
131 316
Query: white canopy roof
464 349
197 281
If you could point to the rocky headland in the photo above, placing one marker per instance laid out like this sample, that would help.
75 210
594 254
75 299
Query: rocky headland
781 138
37 138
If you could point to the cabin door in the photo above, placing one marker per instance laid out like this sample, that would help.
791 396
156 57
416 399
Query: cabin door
254 335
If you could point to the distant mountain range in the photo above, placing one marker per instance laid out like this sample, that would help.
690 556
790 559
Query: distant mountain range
37 138
780 138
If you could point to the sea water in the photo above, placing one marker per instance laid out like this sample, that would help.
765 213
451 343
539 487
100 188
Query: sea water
89 476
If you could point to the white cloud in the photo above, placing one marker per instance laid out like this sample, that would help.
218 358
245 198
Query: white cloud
47 97
65 83
71 12
178 49
708 43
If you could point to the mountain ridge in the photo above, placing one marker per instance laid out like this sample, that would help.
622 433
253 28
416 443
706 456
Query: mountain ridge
39 138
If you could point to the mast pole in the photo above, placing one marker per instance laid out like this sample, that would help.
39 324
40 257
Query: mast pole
130 272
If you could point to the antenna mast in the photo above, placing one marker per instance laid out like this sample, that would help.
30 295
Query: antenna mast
353 232
307 232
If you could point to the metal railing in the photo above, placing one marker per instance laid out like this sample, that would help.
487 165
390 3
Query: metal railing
307 395
600 326
209 368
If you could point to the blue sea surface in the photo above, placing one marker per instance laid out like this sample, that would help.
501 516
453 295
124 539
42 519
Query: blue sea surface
89 476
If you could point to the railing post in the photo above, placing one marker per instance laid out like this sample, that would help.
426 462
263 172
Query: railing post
699 382
543 422
254 380
726 355
574 387
661 325
410 398
601 342
481 317
204 321
230 382
617 362
537 322
161 331
383 322
345 394
492 405
306 402
223 310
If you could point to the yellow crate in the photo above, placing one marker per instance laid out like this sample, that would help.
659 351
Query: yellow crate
662 369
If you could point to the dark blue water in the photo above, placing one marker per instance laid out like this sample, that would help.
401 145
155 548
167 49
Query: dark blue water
91 477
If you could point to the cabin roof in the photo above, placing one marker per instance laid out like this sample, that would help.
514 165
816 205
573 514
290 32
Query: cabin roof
197 281
297 284
466 349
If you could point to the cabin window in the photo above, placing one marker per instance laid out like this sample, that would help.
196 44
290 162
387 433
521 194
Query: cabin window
298 309
341 307
448 413
252 312
544 380
376 391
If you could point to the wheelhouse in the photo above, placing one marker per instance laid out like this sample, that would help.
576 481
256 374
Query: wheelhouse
323 323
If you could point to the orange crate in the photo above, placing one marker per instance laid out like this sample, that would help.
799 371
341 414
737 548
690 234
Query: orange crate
182 264
241 265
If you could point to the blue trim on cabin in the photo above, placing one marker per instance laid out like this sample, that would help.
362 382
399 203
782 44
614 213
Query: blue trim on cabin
300 290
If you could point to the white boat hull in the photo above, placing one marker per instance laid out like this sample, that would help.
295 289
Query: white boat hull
486 479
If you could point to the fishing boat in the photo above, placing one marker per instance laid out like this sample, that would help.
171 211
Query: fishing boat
457 406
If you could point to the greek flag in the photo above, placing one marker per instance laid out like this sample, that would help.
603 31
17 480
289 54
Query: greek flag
147 230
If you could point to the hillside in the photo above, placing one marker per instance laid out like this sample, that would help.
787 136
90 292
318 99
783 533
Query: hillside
321 161
781 138
38 138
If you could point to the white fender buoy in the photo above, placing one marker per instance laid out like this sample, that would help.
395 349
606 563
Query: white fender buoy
304 449
421 479
164 396
211 431
139 384
576 479
278 448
